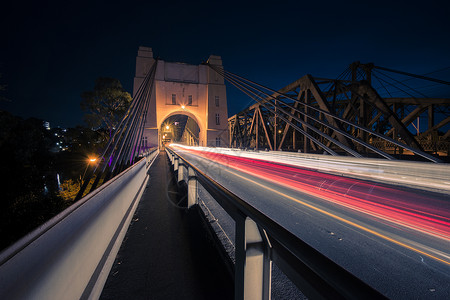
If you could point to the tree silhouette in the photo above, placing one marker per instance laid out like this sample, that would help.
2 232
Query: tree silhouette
106 105
28 177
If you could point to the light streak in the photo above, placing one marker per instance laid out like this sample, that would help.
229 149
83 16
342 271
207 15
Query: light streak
399 207
383 236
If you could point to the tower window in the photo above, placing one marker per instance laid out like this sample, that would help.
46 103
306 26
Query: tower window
217 119
174 99
190 100
217 141
217 101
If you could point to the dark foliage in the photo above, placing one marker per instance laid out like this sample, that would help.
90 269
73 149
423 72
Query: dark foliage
33 157
106 104
28 177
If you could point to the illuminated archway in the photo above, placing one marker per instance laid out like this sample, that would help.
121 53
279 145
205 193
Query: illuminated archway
180 127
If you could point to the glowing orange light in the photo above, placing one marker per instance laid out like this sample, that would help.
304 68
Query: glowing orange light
167 127
182 106
92 159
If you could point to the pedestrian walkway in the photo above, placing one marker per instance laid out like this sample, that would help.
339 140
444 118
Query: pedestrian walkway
166 253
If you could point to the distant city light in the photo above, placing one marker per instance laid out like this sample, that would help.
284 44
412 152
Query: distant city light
58 180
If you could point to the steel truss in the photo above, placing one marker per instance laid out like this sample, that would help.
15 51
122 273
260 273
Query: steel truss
337 116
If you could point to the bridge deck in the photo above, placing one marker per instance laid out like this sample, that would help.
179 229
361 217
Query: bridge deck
166 253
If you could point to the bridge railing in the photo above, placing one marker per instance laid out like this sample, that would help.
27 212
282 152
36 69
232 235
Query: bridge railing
260 241
70 256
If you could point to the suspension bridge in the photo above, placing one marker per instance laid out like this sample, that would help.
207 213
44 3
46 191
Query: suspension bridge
326 188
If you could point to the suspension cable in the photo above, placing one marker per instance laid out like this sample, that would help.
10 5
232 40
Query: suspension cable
342 146
399 82
402 145
413 75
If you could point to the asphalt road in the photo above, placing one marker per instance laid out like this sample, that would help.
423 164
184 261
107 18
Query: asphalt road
395 238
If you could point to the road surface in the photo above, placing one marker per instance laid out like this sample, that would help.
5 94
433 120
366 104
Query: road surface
395 237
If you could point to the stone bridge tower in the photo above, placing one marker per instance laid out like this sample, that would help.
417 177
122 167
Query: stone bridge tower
195 91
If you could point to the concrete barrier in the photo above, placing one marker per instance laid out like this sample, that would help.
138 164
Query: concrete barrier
70 256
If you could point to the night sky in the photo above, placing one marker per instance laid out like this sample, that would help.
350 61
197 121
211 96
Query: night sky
53 51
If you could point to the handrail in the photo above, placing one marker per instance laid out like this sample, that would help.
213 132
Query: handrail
313 273
21 244
70 256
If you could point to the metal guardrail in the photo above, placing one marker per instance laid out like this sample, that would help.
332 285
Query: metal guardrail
70 256
261 241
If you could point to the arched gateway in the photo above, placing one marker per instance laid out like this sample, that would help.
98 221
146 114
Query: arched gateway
194 91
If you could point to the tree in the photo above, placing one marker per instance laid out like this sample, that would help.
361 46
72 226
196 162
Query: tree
106 104
28 177
70 188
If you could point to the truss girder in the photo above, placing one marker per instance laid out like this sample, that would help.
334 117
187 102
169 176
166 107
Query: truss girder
368 94
349 117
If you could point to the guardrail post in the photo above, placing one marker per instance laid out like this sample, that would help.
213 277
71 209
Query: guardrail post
169 155
181 170
253 268
175 163
192 187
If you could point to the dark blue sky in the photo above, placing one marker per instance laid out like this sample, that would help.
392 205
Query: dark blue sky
53 51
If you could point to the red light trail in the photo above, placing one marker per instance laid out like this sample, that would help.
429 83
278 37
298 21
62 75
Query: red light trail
405 208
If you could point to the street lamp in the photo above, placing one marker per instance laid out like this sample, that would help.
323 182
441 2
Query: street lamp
167 127
90 161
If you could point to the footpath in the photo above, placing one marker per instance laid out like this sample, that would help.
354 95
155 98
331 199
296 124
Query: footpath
166 253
